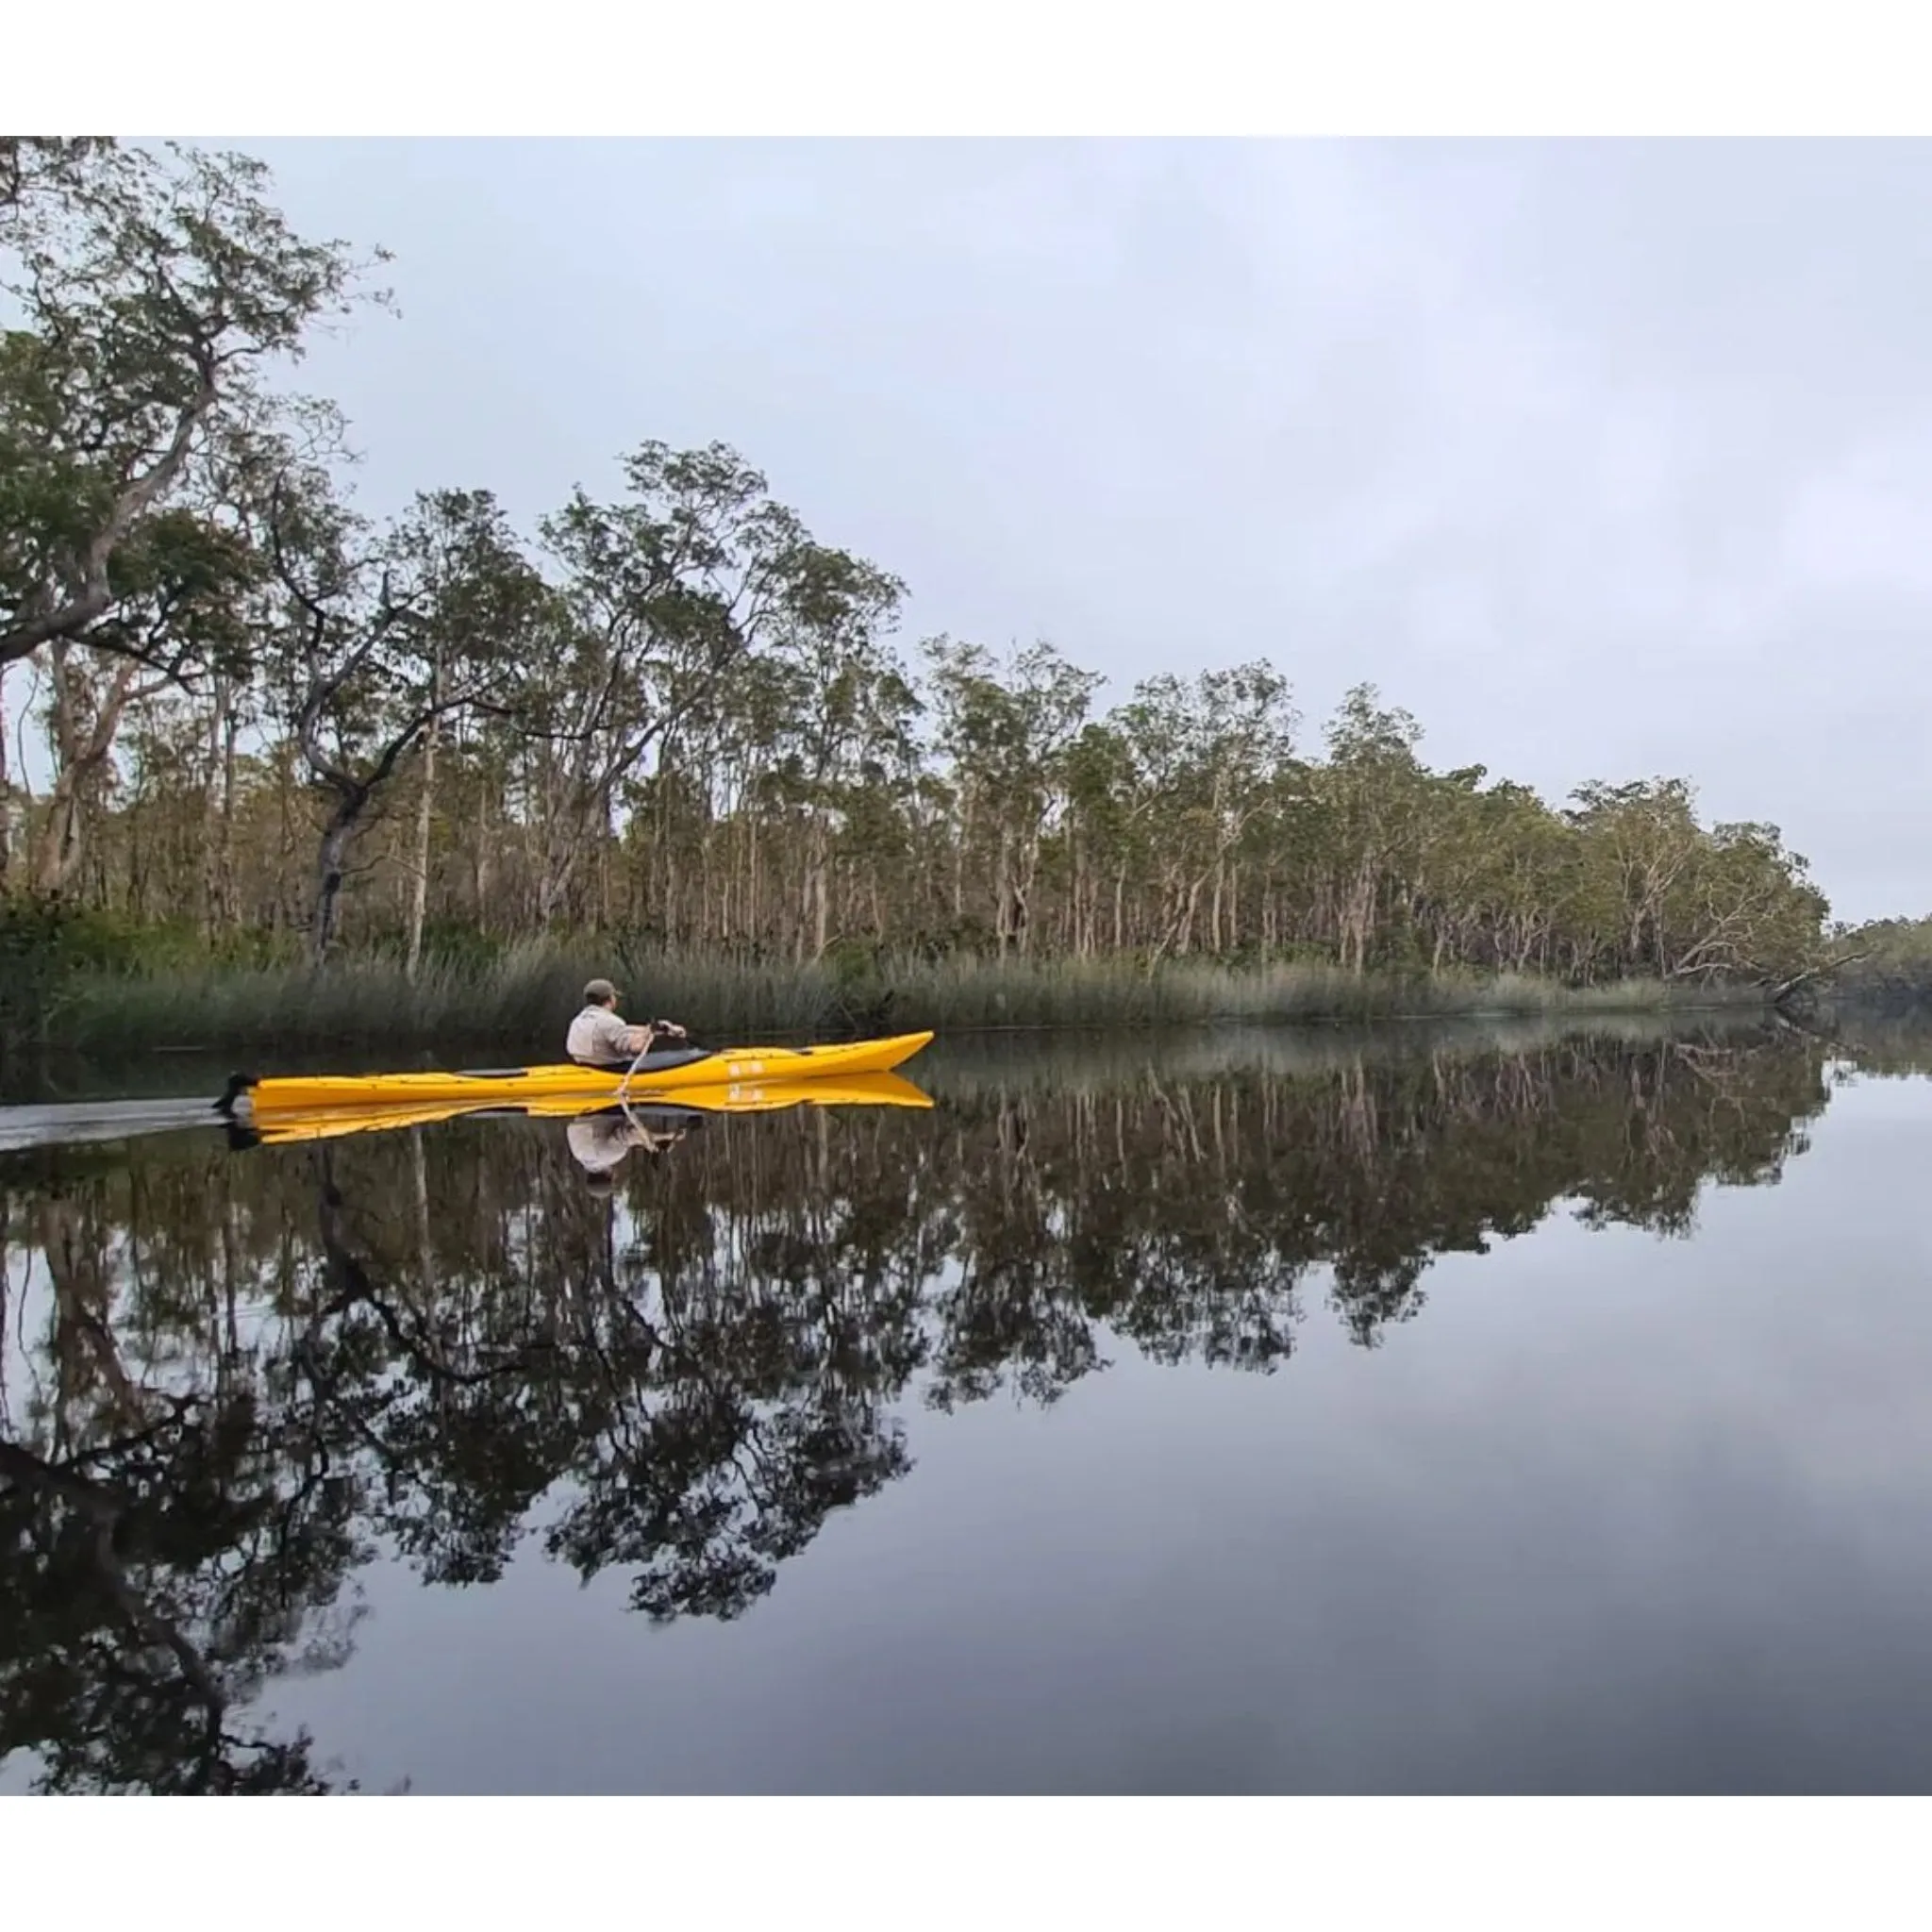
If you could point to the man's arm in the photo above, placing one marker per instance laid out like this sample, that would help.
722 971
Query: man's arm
634 1040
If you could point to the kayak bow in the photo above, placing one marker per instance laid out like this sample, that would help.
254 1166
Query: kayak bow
675 1069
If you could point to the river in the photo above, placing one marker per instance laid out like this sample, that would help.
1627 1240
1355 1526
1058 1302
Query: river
1431 1410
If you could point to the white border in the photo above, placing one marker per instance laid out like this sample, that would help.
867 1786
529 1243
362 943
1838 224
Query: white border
815 67
922 1864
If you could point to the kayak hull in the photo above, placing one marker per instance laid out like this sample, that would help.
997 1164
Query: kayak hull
515 1085
281 1126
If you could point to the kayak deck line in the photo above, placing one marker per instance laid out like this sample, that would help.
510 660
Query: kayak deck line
675 1070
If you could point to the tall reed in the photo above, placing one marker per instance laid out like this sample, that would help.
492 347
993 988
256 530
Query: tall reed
524 997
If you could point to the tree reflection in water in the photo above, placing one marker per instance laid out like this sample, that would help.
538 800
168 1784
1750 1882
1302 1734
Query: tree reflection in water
233 1382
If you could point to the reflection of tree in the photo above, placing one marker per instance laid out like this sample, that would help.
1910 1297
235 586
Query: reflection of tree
147 1588
1874 1045
247 1376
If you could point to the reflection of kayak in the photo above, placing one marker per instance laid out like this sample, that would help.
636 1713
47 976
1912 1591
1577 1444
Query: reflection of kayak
284 1124
673 1071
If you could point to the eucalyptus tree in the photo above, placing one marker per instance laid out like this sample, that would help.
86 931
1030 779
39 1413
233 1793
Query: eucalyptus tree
666 591
157 291
1643 838
1005 731
157 296
1205 752
846 756
379 636
1370 792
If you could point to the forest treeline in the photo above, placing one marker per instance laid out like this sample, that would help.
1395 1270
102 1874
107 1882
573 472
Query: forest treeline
240 711
232 1380
1886 969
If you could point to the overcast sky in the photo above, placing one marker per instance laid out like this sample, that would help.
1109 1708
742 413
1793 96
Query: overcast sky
1605 461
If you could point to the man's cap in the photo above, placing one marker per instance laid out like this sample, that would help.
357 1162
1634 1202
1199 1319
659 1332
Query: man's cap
598 989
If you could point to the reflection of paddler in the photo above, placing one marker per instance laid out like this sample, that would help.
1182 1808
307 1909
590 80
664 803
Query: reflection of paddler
600 1141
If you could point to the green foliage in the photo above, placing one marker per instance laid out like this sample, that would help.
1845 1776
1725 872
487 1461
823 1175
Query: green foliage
673 712
46 947
1888 969
155 290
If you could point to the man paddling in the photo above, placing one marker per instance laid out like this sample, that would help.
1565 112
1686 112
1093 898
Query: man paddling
599 1038
600 1142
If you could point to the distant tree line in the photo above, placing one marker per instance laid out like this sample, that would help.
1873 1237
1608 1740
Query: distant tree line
670 709
1884 967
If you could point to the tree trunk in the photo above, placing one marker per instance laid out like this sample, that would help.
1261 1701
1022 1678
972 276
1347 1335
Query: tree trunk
6 795
1184 939
336 837
483 868
286 872
1003 892
1023 895
570 811
554 885
419 861
218 816
751 912
959 862
814 912
81 747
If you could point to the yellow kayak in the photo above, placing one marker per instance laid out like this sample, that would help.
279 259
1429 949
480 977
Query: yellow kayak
327 1123
675 1069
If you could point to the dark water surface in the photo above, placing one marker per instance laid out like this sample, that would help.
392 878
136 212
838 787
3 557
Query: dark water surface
1481 1411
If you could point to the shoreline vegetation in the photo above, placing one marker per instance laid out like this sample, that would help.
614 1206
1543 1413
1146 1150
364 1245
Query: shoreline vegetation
528 994
276 770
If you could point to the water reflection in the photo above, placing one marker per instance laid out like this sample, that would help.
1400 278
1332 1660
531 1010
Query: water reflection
235 1381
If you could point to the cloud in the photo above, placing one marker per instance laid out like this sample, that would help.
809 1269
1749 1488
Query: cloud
1602 457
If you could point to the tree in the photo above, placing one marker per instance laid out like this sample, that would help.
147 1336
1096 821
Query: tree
1208 751
849 713
1371 790
158 291
381 636
178 586
1005 732
666 593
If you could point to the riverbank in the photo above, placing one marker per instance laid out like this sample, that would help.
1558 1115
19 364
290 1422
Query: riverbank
530 993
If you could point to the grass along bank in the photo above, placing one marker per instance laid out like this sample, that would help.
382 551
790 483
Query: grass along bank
525 997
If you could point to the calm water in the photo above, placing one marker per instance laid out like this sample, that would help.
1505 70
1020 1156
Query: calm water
1435 1412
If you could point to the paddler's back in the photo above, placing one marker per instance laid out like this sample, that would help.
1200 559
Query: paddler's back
599 1038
